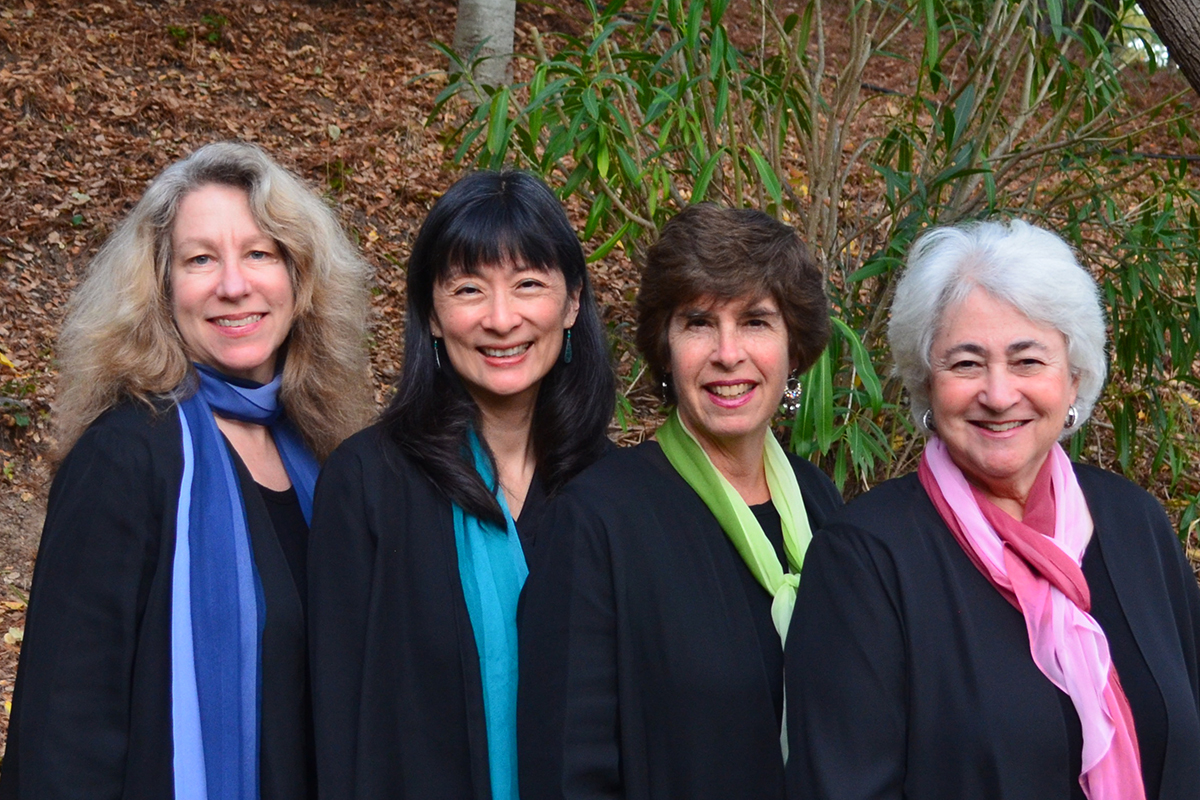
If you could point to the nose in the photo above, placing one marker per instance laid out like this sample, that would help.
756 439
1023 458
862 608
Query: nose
1000 392
729 351
502 316
233 283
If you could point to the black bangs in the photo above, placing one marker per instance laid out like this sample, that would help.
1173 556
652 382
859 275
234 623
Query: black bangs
493 238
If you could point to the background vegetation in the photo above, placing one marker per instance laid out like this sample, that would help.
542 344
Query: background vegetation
1015 107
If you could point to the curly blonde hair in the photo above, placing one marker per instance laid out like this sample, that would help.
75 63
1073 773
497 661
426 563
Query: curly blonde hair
119 340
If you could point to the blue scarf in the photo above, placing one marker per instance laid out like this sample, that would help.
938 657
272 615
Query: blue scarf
491 566
217 608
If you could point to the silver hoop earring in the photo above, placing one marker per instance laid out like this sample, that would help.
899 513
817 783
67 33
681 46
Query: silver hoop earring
791 396
927 420
1072 416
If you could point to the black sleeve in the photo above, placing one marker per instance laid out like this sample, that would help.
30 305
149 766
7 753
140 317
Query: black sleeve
846 676
340 558
567 705
69 735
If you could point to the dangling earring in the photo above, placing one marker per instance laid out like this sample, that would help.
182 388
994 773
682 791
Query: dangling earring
665 386
791 395
1072 416
927 420
567 350
436 358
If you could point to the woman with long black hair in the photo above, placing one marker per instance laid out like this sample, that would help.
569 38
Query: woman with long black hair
417 555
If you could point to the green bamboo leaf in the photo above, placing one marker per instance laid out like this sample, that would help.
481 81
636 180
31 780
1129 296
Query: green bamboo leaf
603 250
497 140
767 175
705 176
862 364
694 20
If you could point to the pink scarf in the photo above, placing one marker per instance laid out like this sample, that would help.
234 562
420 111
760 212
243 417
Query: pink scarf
1034 564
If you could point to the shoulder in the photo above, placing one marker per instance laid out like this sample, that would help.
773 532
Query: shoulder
889 497
130 435
1103 488
820 494
890 514
621 472
373 461
1118 503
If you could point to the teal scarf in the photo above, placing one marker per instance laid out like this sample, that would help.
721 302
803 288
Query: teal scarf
737 520
491 566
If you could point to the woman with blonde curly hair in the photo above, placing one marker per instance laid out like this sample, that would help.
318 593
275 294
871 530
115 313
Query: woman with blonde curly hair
212 356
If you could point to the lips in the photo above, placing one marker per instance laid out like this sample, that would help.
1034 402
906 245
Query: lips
505 352
999 427
237 322
730 390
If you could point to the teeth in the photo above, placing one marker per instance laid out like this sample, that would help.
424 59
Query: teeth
505 353
238 323
731 390
1000 427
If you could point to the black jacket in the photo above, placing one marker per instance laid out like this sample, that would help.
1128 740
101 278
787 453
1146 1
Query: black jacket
397 694
91 712
910 676
650 667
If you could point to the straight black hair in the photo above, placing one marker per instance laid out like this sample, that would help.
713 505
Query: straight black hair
491 218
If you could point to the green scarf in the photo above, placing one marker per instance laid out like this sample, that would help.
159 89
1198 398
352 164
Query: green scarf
737 520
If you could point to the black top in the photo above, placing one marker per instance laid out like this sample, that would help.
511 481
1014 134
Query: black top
292 531
910 676
92 710
650 667
397 696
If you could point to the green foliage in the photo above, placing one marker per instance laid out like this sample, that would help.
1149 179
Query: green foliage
1016 107
215 25
212 28
180 34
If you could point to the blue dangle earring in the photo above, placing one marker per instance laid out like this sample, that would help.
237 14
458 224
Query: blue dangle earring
567 348
437 359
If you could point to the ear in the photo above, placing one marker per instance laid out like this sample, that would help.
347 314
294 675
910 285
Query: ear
435 327
572 307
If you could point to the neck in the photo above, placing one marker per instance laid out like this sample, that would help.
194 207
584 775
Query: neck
740 461
506 428
1009 497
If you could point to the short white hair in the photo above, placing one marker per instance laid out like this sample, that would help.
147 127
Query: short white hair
1028 267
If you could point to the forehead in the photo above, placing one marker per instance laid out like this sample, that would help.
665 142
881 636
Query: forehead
213 207
987 322
489 269
708 304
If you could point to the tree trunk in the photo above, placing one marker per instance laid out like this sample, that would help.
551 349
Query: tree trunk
491 23
1177 23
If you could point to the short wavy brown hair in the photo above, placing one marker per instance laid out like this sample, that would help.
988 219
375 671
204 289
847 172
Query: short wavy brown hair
710 251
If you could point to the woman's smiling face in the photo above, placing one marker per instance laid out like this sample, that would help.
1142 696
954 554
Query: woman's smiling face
1000 388
502 328
729 366
231 289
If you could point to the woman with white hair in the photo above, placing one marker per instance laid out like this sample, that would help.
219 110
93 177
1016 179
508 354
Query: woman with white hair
1002 624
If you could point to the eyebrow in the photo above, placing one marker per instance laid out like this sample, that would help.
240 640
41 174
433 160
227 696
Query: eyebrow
1012 349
